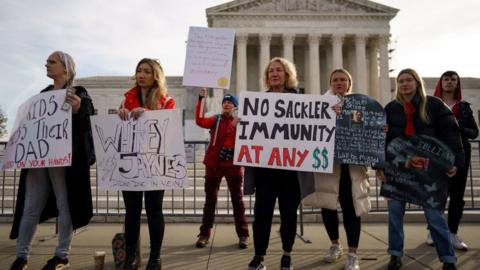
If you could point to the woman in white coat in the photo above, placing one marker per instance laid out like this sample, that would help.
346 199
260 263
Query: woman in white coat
348 184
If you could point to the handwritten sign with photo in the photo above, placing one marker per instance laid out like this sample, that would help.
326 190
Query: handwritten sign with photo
42 134
140 155
286 131
359 137
209 57
416 171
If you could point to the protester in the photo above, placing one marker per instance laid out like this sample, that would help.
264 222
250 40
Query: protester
348 184
150 93
279 77
62 192
414 113
219 163
449 90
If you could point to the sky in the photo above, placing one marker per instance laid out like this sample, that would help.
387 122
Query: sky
107 38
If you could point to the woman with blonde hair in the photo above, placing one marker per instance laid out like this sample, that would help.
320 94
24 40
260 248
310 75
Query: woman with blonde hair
414 113
149 93
279 77
62 192
347 185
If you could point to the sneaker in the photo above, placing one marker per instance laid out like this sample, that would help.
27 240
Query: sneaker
56 263
243 242
352 262
449 266
286 263
256 264
202 241
19 264
333 254
429 240
395 263
457 242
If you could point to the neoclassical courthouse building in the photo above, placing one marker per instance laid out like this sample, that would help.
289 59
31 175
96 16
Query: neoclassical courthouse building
316 35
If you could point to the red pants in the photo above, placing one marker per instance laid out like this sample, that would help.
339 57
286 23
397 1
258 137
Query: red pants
234 176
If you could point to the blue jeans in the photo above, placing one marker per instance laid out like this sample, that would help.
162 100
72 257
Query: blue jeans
438 229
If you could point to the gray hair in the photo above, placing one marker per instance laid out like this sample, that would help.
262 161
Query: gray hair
69 64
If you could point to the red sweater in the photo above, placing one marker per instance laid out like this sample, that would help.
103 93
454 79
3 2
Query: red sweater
132 101
222 134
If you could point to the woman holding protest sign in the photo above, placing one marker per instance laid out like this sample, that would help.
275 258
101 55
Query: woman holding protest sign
414 113
149 93
279 77
62 192
348 184
218 164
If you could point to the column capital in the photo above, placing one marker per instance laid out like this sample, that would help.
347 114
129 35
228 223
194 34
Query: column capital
288 37
337 38
265 37
360 38
384 39
241 37
314 38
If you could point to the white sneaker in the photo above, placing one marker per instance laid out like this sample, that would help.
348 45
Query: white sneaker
333 254
352 262
429 240
457 242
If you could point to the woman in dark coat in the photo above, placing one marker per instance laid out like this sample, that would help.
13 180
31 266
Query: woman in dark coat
415 113
41 191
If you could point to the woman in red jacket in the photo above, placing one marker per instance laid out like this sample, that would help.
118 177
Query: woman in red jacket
219 163
149 93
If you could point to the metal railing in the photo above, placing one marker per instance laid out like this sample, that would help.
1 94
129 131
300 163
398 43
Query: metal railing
189 202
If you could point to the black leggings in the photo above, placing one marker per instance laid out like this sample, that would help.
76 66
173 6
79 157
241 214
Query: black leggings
153 207
456 191
271 184
351 222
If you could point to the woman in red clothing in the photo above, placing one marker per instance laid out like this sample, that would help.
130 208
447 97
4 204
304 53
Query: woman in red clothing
149 93
219 163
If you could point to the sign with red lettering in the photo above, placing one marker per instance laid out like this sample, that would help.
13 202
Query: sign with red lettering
286 131
42 134
208 62
139 155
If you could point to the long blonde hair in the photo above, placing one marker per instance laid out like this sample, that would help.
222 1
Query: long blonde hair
422 108
290 70
159 88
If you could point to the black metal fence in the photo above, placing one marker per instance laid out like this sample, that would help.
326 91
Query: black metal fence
189 201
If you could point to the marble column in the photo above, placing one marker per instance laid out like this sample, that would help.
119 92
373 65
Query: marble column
361 64
385 94
288 40
241 62
337 44
372 54
265 39
314 64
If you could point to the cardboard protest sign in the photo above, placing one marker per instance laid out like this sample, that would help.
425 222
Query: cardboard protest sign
359 137
140 155
42 134
416 171
286 131
208 61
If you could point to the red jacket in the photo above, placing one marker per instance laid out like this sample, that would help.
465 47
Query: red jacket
131 100
222 134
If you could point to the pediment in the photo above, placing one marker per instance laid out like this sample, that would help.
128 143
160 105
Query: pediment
302 6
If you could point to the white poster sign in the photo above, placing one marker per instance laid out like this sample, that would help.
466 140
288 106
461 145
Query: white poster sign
209 57
286 131
140 155
42 134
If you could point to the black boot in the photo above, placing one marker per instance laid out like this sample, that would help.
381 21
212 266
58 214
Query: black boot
395 263
130 262
154 262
